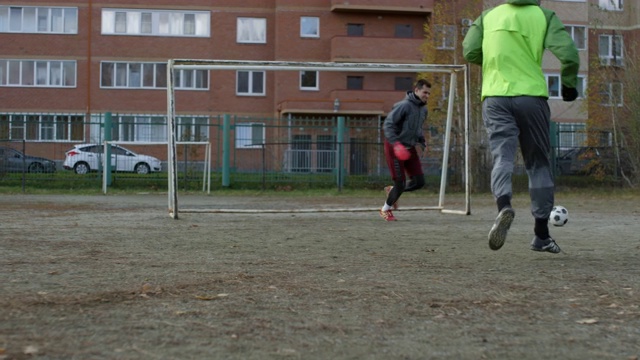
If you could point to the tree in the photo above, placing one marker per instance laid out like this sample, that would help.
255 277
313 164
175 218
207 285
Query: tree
614 96
444 32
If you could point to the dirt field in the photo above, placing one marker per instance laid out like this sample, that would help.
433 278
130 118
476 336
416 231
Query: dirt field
114 277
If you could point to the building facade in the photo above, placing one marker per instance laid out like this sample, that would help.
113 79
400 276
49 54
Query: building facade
64 64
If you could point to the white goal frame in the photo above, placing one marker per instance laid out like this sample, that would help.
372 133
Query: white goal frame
194 64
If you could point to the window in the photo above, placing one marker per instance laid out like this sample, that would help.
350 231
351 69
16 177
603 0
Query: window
250 135
252 30
43 127
138 128
553 85
150 75
309 80
611 94
309 27
403 83
31 73
155 22
29 19
189 24
146 23
579 36
445 36
614 5
121 23
250 83
355 82
610 50
194 128
581 86
150 129
404 31
571 135
355 29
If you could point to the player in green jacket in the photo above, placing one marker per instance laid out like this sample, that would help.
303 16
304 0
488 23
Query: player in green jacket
509 41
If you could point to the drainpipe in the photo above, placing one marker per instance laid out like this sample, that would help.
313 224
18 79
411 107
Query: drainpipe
90 10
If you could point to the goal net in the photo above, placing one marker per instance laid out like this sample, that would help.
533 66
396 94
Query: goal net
108 167
458 81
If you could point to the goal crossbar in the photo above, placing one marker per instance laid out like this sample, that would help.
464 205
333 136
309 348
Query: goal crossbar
196 64
184 64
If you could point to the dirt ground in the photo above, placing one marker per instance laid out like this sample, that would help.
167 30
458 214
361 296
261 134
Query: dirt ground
114 277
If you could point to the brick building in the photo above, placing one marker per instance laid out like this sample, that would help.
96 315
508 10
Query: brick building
63 64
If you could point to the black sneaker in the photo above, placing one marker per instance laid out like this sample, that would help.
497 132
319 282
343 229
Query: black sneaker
548 245
498 233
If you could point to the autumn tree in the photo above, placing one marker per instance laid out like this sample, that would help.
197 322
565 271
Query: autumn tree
614 98
444 33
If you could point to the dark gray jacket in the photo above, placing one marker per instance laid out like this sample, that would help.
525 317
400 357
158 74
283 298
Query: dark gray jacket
405 120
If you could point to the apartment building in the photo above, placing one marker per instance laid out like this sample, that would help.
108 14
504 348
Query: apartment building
605 31
63 64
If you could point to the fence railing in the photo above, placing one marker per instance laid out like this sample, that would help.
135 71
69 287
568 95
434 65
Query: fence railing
265 153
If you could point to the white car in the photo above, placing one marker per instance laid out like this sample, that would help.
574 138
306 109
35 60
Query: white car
84 158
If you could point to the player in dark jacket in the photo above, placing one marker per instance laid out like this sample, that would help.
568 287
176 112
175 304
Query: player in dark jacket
403 131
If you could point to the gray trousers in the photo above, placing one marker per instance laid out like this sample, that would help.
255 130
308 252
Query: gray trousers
523 120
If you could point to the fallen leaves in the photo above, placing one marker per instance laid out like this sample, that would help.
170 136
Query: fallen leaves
149 289
30 350
211 297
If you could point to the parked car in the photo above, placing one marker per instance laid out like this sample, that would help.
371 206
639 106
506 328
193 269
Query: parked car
12 160
84 158
591 160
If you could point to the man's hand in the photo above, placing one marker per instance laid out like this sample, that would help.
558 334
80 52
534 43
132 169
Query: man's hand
401 151
423 148
569 94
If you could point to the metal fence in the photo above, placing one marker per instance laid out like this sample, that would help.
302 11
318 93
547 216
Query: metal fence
258 153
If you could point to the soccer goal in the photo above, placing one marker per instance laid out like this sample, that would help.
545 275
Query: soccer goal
456 73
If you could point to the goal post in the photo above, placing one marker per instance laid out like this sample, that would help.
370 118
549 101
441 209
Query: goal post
454 70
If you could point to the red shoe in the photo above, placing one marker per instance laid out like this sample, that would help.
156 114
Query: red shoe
387 189
387 215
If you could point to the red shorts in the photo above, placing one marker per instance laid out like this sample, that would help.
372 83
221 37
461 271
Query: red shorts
400 169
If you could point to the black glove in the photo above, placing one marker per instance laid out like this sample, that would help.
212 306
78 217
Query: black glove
422 142
569 94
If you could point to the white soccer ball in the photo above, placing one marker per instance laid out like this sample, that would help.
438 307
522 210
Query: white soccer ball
559 216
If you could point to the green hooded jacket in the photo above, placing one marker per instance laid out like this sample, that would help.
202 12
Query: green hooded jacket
509 41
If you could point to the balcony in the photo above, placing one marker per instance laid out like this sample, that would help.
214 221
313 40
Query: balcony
330 106
384 6
345 102
376 49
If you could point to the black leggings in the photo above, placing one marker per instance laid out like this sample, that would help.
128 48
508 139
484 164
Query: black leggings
415 183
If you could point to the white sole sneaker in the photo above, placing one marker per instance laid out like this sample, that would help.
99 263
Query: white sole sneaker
498 233
548 245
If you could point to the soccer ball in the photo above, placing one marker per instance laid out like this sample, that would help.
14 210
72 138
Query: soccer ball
559 216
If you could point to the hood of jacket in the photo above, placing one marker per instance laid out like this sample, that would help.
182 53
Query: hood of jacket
412 97
523 2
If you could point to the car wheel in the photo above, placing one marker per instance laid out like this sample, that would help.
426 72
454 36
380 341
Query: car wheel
81 168
36 168
142 168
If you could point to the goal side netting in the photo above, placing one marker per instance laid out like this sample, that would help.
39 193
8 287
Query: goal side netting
457 74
